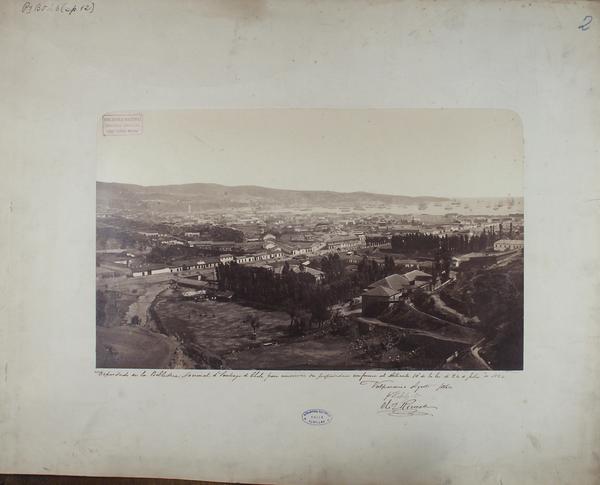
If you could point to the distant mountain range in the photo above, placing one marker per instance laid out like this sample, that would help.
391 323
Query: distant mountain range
198 196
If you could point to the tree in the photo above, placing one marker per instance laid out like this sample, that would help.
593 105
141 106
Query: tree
446 262
422 300
389 266
254 322
332 266
299 321
318 307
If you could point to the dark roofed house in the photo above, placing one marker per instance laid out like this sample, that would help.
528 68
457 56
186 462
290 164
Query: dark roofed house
150 269
419 279
391 289
473 260
318 275
382 293
395 282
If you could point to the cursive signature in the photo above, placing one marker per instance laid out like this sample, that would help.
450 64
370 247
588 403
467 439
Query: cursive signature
401 404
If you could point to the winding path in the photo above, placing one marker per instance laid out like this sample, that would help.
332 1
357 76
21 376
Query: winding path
475 353
414 331
473 350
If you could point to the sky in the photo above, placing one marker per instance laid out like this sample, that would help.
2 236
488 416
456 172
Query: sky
434 152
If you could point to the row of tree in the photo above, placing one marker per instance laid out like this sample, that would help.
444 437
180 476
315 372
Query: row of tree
290 290
166 254
298 292
459 243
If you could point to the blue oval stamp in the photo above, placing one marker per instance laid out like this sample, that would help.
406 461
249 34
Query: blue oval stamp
316 417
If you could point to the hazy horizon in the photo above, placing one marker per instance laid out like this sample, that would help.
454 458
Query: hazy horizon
316 190
472 153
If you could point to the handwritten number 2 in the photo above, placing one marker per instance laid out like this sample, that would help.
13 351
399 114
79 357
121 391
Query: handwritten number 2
585 25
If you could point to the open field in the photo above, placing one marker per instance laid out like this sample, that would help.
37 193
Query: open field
215 335
210 330
324 352
133 347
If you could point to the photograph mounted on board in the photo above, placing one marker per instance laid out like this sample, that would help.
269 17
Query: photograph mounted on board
293 239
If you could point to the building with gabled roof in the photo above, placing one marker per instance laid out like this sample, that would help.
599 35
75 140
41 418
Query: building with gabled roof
381 291
418 278
395 282
473 260
391 289
318 275
376 299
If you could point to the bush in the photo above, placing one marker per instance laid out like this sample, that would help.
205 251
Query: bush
422 300
452 302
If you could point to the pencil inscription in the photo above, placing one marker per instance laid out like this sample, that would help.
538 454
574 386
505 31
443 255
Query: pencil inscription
585 24
67 8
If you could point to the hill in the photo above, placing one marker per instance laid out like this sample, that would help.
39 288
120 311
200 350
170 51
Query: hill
176 198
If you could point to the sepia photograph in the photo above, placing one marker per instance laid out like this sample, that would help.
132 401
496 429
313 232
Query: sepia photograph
335 242
296 239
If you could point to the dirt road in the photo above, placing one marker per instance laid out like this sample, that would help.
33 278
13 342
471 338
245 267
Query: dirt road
142 305
462 339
